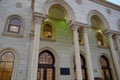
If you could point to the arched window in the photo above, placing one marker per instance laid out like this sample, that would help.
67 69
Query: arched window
6 65
100 41
106 72
47 31
14 25
46 70
83 66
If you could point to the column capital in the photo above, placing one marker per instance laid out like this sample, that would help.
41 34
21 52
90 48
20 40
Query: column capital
38 17
75 27
78 25
109 34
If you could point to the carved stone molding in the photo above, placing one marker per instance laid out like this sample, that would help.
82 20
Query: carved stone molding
78 25
38 17
111 33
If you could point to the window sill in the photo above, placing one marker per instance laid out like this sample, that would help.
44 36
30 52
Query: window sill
12 34
102 47
48 39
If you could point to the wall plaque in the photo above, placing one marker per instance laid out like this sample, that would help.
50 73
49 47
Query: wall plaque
64 71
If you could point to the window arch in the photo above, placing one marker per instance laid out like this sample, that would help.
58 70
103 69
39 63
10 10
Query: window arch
83 66
98 25
47 31
6 65
105 67
14 26
46 69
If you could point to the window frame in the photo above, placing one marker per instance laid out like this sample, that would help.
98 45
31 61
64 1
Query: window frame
46 67
10 24
18 34
104 68
15 66
52 38
44 30
102 42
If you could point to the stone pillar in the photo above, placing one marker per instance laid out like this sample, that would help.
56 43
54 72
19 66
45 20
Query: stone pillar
117 42
114 56
77 52
88 56
35 48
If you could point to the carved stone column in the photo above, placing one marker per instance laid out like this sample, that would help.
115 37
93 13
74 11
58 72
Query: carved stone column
33 65
88 55
117 42
114 56
77 52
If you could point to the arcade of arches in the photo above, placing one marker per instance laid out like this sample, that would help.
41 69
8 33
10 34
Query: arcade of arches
59 40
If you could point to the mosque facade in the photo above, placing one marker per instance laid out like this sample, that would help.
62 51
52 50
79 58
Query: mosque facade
59 40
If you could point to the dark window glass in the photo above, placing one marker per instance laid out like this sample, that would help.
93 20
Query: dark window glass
6 65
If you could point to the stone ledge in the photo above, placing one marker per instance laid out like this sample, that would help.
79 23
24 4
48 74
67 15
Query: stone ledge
12 35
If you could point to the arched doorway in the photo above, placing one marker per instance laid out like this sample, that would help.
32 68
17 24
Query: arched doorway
46 69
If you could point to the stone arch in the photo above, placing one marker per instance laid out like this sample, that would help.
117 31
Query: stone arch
110 61
68 10
54 53
14 51
100 15
106 55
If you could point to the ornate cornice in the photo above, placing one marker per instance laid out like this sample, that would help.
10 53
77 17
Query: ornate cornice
107 4
81 24
38 17
78 25
107 31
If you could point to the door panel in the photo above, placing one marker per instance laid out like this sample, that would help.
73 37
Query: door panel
45 74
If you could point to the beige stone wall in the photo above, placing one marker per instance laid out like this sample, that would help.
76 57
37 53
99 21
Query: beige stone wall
81 12
20 45
63 48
